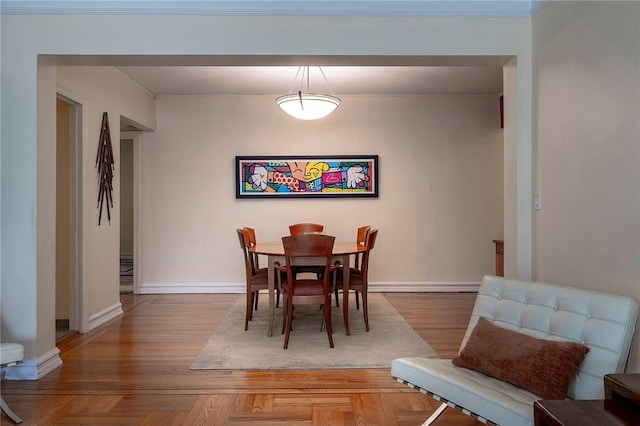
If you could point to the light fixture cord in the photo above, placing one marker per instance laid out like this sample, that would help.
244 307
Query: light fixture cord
305 70
301 82
296 79
326 81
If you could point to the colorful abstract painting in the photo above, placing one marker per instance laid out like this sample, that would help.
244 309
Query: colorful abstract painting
323 176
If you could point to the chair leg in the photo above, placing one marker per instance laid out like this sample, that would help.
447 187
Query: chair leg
248 309
288 323
8 411
435 414
326 312
365 309
278 284
357 300
256 294
284 312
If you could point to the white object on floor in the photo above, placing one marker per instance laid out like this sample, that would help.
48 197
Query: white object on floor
10 354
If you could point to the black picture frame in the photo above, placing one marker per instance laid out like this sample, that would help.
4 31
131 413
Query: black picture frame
319 176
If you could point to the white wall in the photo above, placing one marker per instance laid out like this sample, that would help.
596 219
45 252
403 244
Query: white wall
587 149
33 324
108 90
45 216
440 183
101 39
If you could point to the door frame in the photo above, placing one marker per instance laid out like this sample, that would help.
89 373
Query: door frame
78 134
136 137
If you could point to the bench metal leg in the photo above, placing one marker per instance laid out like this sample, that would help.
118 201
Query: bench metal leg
8 411
435 414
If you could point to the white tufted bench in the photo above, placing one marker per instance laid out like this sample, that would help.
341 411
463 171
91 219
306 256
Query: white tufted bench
603 322
10 354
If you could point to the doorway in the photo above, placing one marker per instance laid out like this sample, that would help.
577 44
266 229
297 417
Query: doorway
68 302
127 269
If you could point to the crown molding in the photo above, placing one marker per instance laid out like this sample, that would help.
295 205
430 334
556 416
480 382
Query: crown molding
523 8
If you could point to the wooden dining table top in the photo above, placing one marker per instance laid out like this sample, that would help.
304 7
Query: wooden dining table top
276 248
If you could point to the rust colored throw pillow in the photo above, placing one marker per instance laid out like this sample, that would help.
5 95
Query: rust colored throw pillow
540 366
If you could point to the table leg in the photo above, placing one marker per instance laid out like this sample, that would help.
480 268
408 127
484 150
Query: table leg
271 285
345 293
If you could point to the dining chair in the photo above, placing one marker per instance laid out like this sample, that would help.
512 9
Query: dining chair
304 228
306 290
256 278
361 239
359 277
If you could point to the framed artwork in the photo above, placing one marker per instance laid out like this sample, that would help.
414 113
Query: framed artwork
306 176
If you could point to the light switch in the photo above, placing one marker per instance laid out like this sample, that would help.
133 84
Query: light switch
537 200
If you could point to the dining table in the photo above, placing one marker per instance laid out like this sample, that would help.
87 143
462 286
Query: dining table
342 252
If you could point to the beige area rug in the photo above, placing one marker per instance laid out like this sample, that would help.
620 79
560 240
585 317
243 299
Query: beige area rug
389 337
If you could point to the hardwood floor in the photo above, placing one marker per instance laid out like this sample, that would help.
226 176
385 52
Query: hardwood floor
135 371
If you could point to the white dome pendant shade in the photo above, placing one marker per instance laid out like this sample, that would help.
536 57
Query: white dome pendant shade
308 106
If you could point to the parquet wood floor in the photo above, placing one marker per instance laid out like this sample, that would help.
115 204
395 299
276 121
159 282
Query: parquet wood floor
135 371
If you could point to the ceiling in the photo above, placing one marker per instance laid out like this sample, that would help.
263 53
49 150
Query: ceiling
341 80
194 75
275 74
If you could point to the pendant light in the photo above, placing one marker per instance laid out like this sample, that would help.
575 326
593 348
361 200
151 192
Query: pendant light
305 105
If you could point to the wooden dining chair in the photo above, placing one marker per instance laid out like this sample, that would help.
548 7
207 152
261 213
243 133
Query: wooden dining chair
359 277
361 239
307 290
256 278
305 228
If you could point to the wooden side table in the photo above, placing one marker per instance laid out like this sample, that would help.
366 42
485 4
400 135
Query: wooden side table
597 412
499 257
623 386
620 408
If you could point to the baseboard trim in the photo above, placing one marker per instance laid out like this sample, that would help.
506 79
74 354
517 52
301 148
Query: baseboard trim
374 287
49 362
425 287
35 369
106 315
191 288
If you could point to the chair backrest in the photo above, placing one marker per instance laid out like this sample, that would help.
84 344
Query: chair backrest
604 322
312 247
371 242
243 237
361 236
252 235
303 228
252 242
